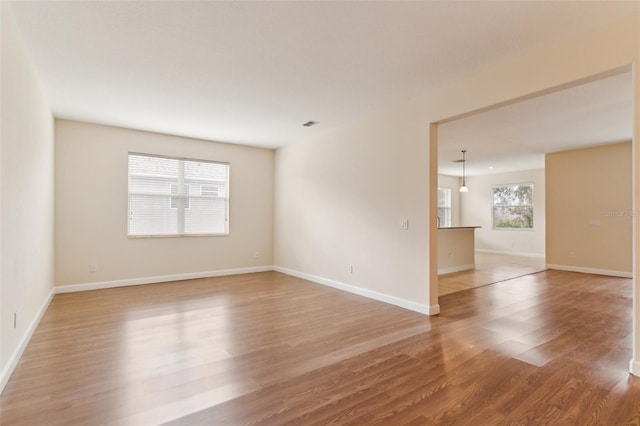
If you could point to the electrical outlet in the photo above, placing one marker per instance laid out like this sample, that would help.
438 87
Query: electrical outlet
93 267
350 269
572 254
404 224
256 255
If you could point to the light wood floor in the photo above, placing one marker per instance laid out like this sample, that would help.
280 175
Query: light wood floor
549 348
490 268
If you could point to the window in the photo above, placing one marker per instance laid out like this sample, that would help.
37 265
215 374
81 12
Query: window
164 199
444 206
175 200
209 190
513 206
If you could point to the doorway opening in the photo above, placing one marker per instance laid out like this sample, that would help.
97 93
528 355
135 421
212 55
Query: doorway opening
508 145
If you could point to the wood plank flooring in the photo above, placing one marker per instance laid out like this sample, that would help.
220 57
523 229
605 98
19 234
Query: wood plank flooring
490 269
270 349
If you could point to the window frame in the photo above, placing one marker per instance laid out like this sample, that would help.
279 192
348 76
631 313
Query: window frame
448 208
532 206
180 230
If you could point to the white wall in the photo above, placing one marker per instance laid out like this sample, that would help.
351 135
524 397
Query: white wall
477 210
453 183
339 201
339 195
91 208
26 188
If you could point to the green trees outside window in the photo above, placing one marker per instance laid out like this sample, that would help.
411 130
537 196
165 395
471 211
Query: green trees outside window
513 206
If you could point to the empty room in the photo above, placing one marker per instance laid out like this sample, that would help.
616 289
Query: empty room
231 213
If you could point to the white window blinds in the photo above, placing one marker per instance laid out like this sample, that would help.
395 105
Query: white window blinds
165 196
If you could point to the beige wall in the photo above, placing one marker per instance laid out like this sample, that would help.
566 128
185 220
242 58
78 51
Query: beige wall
26 188
91 207
589 209
477 210
453 183
339 195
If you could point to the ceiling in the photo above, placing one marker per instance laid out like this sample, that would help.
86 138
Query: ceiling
254 72
516 136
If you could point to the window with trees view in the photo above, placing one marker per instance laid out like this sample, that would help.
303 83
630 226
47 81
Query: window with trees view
513 206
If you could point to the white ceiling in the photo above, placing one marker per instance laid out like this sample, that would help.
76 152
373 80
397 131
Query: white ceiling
253 72
516 137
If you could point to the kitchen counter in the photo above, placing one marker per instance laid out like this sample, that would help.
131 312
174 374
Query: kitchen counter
456 249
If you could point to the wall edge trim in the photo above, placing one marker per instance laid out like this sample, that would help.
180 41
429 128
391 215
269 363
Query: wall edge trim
442 271
611 273
511 253
72 288
381 297
17 353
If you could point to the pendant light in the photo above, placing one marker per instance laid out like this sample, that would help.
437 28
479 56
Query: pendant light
464 188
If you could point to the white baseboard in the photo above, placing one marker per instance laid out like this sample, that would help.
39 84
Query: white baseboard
634 367
15 357
456 269
621 274
160 279
403 303
510 253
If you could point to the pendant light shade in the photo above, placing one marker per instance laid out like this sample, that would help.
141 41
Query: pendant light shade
464 188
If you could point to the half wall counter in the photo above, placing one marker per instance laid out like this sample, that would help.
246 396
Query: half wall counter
456 249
